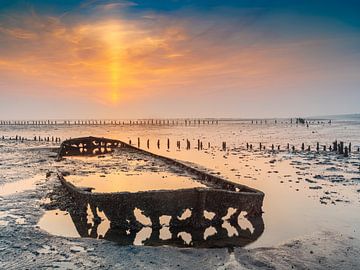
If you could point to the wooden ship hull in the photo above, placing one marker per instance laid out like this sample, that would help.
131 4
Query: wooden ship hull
218 197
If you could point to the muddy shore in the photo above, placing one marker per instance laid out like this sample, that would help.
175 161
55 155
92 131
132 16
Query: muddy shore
22 238
35 249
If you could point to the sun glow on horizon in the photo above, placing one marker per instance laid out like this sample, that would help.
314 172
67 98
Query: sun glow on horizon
114 61
116 66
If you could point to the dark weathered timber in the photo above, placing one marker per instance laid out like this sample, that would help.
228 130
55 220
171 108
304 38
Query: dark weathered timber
119 207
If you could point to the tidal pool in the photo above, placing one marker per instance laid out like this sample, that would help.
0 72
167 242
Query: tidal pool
8 189
226 234
134 181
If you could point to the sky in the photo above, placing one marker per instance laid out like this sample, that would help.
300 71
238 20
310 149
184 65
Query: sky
178 58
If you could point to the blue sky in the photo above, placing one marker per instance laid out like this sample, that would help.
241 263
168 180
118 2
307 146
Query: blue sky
178 58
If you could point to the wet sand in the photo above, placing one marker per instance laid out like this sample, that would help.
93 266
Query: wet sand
311 201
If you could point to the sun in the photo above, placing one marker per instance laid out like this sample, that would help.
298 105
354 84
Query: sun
114 39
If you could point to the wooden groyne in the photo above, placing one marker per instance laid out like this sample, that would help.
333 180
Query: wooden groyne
337 147
163 122
39 138
140 122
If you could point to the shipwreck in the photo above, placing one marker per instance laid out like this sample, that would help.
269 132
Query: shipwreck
215 202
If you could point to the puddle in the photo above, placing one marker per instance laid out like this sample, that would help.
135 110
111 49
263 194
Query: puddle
210 231
165 233
134 182
4 223
19 186
186 237
142 236
58 223
20 221
224 234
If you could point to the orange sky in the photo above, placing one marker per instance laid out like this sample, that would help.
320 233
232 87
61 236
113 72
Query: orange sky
116 60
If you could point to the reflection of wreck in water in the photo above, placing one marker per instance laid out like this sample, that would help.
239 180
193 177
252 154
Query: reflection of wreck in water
209 217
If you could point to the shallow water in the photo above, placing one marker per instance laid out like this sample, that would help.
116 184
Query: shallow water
304 192
19 186
61 223
133 182
58 223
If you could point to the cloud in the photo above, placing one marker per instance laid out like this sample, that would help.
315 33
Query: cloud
117 5
116 58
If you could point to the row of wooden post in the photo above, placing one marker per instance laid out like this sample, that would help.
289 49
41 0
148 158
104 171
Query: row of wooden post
335 147
178 144
35 138
186 122
296 121
338 147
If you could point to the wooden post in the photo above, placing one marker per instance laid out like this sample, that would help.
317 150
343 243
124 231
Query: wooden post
148 143
158 144
168 143
317 147
224 146
341 148
346 152
138 142
335 146
302 146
